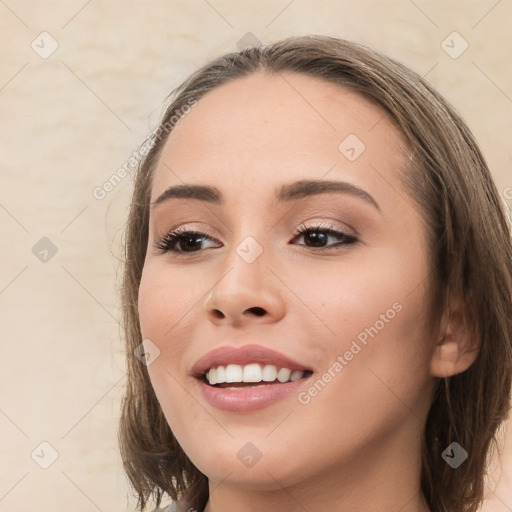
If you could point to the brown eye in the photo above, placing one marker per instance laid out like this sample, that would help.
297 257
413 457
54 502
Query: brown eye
182 241
318 237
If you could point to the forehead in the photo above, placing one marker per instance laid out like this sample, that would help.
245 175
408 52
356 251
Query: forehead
266 128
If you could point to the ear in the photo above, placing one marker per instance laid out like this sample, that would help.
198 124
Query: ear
459 347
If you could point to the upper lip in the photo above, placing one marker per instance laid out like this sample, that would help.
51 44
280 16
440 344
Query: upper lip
247 354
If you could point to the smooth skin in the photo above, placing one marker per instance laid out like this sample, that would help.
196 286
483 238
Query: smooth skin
356 443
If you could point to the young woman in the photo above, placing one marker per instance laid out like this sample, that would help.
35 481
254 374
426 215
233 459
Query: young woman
317 292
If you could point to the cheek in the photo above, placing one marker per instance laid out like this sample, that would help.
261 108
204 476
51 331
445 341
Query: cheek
373 307
165 301
161 312
160 309
382 378
352 294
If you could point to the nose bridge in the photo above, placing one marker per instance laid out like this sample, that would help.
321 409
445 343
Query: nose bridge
247 288
246 260
244 271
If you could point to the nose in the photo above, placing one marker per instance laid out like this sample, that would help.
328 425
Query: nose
246 293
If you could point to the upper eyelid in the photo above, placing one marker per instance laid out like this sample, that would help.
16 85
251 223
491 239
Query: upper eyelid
328 224
318 224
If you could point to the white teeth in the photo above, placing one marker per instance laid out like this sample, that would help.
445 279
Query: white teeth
221 375
234 373
253 372
269 373
296 375
283 375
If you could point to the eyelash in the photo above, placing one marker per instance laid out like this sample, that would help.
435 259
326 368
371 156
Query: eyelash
168 243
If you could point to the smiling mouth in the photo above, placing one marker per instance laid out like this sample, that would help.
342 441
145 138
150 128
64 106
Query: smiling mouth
234 376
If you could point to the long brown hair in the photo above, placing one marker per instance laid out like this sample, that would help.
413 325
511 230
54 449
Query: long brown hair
470 259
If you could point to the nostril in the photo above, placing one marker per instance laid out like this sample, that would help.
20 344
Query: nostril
257 311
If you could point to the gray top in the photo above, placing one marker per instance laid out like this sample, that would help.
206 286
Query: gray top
173 507
170 508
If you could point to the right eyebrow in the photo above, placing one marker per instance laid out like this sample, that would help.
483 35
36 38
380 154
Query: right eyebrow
199 192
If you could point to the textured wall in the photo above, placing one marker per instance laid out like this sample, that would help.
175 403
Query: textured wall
71 118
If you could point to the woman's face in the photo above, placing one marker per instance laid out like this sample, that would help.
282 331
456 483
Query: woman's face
344 302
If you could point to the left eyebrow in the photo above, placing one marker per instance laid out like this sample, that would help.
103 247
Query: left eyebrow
305 188
285 193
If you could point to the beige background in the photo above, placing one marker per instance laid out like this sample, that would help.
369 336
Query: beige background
70 120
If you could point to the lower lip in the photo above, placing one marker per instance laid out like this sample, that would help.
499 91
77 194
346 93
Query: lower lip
249 399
